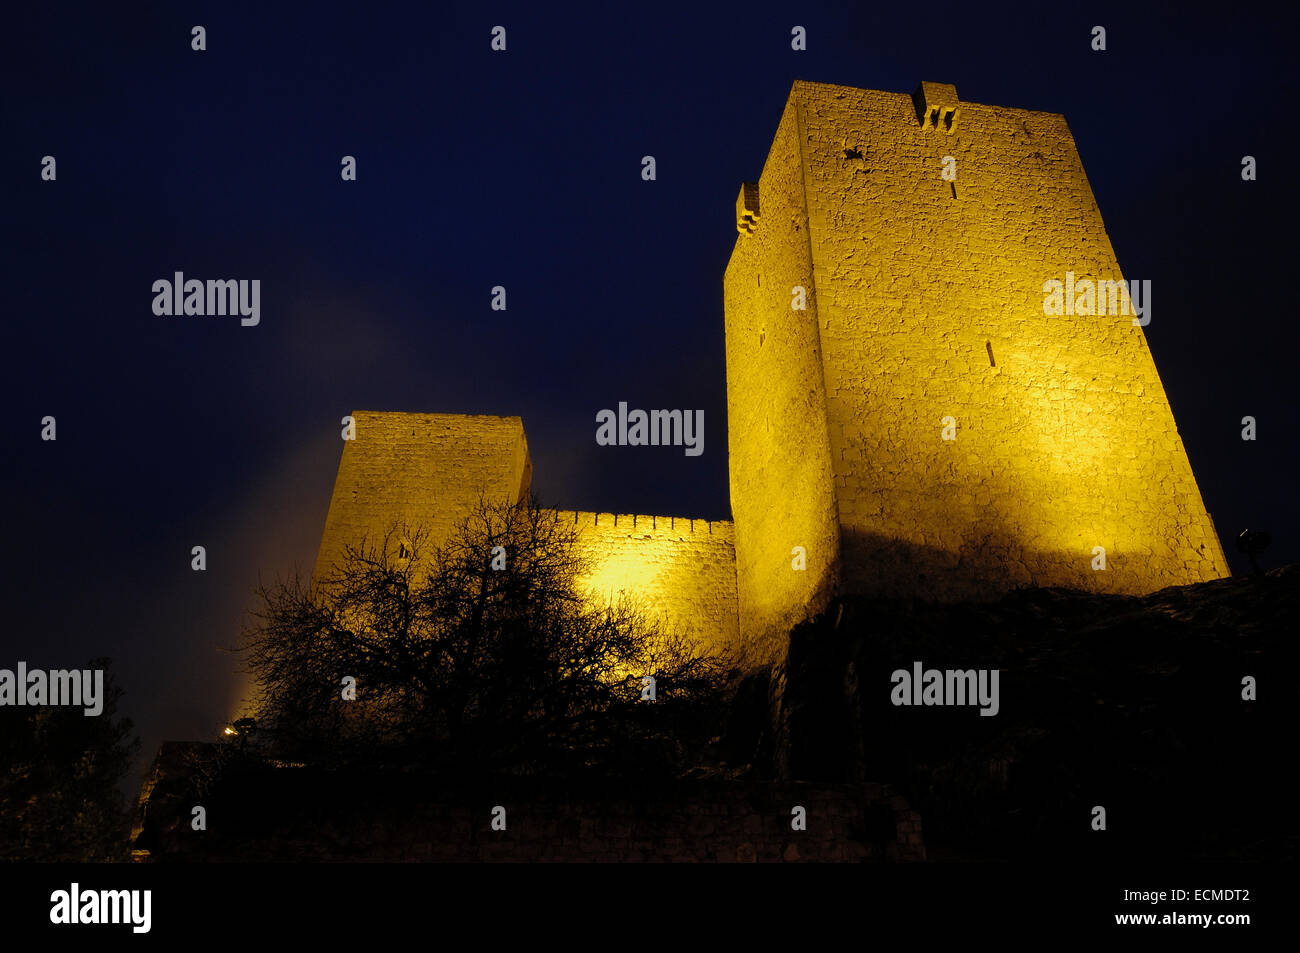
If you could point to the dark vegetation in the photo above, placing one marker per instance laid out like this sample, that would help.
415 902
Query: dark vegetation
476 657
60 772
476 676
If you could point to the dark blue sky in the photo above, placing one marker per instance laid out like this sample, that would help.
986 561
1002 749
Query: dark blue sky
520 169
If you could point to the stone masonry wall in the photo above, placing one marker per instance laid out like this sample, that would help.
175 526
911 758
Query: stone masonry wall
421 469
429 469
930 303
683 571
782 494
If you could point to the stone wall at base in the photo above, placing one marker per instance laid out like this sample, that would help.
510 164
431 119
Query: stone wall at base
289 814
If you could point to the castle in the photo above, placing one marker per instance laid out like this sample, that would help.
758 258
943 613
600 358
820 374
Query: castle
905 416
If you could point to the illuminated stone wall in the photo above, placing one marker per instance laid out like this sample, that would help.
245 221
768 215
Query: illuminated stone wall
779 453
421 469
923 301
927 299
429 469
681 571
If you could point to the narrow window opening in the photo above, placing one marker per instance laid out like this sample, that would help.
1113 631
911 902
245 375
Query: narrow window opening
954 189
988 346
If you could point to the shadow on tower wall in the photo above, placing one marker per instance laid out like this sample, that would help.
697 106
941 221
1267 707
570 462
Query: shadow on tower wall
989 561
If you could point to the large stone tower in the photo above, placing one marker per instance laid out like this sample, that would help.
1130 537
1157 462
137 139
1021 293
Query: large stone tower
420 470
924 300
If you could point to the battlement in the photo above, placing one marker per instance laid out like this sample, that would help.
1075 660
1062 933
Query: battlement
649 525
936 106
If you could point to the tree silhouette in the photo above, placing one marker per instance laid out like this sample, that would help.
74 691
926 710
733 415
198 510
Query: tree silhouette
59 776
483 654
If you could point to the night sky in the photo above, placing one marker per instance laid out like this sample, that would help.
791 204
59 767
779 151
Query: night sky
520 169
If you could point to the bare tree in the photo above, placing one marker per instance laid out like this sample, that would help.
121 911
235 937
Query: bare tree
481 654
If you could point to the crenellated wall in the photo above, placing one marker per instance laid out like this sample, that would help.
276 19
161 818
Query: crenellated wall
682 571
428 470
